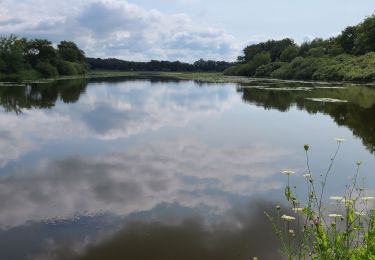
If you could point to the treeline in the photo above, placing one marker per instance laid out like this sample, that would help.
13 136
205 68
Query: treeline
21 58
348 57
154 65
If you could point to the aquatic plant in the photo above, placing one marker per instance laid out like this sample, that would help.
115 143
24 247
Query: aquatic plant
317 230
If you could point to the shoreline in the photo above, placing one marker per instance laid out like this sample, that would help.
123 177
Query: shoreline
204 77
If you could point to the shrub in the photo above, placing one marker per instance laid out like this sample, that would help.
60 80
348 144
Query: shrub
244 70
80 68
2 65
46 69
289 53
317 52
66 68
284 72
266 70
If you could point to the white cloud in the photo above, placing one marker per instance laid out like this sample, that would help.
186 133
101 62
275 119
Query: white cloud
133 108
181 170
118 29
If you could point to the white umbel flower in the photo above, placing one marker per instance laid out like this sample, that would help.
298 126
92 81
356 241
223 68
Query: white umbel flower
339 140
288 173
336 198
296 210
334 215
367 198
287 218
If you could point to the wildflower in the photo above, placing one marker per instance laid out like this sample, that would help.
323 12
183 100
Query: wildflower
358 163
347 202
367 198
278 207
336 198
288 173
291 232
307 176
306 147
335 216
339 140
287 218
296 210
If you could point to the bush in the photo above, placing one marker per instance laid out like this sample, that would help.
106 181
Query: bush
289 53
2 65
80 68
317 52
284 72
259 59
266 70
66 68
244 70
231 71
46 69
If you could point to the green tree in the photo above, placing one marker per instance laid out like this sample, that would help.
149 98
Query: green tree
347 39
70 52
289 53
11 53
365 41
39 50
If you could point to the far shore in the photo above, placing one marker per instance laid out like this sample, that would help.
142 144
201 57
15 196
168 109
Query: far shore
204 77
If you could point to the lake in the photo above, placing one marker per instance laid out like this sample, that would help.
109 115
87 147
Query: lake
154 168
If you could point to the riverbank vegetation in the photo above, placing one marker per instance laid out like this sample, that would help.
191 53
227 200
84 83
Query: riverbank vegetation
154 65
343 229
348 57
21 58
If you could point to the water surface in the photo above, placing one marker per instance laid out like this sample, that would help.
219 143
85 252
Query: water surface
161 169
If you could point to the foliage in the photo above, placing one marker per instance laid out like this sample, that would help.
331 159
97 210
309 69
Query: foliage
66 68
46 69
266 70
21 58
154 65
11 53
349 57
70 52
345 231
289 53
275 48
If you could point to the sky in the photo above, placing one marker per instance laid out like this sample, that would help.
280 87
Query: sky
185 30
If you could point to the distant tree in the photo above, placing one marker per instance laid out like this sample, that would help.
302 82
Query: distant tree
365 36
70 52
39 50
317 52
46 69
11 53
347 39
289 53
275 48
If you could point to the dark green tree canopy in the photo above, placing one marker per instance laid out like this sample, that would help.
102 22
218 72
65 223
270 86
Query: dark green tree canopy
38 58
70 52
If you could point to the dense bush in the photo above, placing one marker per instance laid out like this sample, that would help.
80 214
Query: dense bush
46 69
289 53
266 70
29 59
66 68
349 56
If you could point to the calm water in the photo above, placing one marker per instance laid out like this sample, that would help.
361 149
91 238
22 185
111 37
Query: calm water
156 169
